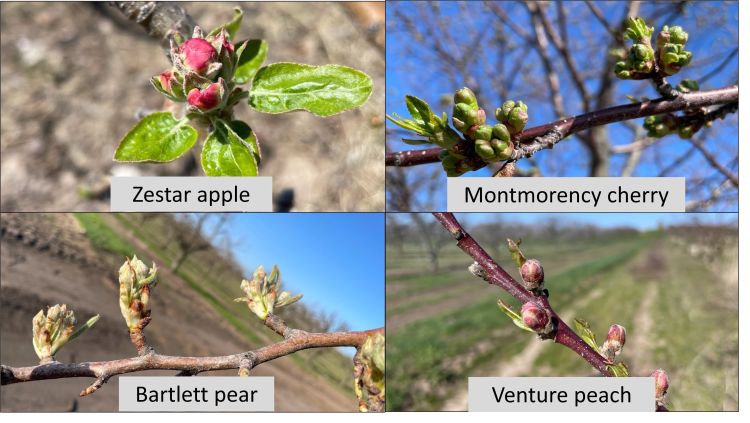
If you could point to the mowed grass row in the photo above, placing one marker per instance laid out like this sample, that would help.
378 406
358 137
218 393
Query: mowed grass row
407 292
426 359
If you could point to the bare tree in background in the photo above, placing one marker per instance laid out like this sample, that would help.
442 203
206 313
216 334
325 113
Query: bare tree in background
200 232
555 56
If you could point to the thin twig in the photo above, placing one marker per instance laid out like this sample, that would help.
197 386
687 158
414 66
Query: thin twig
103 370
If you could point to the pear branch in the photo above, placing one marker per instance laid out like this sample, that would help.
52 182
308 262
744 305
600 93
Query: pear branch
536 138
103 370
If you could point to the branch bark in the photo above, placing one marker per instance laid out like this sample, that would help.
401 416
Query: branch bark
571 125
160 19
103 370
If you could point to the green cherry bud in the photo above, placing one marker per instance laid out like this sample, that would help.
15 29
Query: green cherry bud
677 35
686 132
465 96
518 118
503 149
642 52
502 112
501 132
483 132
622 71
484 150
637 30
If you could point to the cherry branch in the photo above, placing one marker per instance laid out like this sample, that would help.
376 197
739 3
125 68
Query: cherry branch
295 340
537 138
496 275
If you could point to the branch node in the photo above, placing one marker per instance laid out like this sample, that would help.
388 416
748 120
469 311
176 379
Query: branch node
101 380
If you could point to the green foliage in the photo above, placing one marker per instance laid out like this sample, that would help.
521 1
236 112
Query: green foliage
227 153
250 60
158 137
321 90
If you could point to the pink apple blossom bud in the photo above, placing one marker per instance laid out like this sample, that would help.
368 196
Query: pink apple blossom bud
207 98
662 383
534 316
197 54
616 337
532 273
166 80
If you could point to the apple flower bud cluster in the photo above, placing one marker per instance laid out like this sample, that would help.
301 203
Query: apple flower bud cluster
202 72
369 372
136 283
51 331
263 293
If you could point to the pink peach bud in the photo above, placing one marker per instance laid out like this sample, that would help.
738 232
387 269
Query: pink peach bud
662 382
532 273
197 54
205 99
534 317
616 336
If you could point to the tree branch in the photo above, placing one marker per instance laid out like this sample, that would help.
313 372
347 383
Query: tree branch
160 19
103 370
496 275
572 125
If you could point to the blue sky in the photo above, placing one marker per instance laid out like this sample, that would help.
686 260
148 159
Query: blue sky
334 259
640 221
413 68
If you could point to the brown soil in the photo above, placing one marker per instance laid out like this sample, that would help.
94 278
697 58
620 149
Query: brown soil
34 276
74 79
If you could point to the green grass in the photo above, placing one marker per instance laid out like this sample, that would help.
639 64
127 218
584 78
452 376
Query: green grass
102 237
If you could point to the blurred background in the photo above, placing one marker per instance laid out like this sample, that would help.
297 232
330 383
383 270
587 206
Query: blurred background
48 259
75 75
670 279
554 57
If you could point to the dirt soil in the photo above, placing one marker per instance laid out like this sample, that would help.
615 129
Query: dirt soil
35 274
74 78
